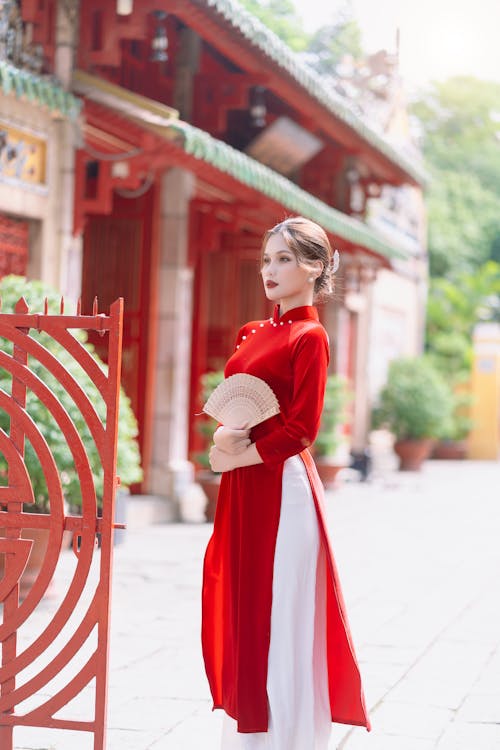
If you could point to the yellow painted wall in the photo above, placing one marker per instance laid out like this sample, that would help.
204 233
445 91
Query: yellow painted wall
484 439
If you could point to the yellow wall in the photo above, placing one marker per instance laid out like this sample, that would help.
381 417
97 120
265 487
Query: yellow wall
484 439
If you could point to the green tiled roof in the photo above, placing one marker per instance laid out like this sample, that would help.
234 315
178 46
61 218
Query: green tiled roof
250 172
24 84
273 47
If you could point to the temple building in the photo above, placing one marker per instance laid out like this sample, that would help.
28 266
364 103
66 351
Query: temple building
182 130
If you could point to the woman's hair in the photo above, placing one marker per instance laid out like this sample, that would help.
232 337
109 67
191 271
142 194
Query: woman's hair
308 242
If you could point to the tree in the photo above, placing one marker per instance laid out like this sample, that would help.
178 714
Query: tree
281 17
330 43
463 222
461 138
460 119
325 48
453 309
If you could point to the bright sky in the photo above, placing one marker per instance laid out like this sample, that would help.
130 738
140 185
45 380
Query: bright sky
439 38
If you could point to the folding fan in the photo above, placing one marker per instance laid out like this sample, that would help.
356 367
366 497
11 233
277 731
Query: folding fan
242 401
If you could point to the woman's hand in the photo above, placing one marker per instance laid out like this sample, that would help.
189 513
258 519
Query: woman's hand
231 441
219 460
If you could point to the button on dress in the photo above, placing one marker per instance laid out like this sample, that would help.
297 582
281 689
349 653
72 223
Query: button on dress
275 634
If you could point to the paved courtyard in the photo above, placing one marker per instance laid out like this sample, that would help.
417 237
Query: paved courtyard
419 557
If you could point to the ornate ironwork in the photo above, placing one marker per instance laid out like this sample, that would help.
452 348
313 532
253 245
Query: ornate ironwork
16 45
25 673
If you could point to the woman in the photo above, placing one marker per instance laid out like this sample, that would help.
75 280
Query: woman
276 642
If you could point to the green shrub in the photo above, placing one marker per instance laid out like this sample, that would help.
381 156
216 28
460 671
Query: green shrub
337 396
416 402
128 462
205 424
459 424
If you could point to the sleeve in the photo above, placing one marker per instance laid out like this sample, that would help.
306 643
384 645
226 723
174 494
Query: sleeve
300 428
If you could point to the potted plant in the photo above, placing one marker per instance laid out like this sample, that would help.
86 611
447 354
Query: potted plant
414 405
128 459
208 480
329 439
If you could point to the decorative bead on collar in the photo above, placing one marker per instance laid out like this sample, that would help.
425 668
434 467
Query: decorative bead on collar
306 312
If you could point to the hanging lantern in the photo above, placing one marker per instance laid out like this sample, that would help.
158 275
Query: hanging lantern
159 43
258 109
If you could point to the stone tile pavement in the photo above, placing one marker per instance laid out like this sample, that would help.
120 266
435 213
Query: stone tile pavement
419 557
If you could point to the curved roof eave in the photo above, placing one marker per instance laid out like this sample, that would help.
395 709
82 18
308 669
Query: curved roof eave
252 173
200 145
273 47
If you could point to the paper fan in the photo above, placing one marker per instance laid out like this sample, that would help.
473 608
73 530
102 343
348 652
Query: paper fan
242 401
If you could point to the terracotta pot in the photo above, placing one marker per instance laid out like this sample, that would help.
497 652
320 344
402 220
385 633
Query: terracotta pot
450 450
412 453
327 471
209 483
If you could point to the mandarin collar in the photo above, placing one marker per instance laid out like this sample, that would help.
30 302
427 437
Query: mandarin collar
306 312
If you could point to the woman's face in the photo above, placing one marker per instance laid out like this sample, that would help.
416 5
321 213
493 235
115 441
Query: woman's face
285 281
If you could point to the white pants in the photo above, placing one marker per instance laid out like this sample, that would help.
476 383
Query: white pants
297 681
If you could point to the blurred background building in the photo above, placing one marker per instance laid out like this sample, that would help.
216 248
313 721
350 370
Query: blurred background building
145 147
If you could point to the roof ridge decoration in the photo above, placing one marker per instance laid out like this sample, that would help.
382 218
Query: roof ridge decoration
49 93
250 172
275 48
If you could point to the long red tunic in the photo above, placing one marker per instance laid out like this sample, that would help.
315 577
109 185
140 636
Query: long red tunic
291 354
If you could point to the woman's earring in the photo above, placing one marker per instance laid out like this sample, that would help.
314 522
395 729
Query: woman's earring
310 279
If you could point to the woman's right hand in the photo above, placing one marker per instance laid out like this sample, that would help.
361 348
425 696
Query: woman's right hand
231 441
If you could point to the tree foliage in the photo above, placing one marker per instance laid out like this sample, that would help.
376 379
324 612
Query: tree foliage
463 220
281 17
337 396
331 42
324 48
454 307
460 120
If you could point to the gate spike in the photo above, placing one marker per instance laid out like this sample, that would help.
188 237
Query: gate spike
21 306
79 306
61 305
95 306
46 306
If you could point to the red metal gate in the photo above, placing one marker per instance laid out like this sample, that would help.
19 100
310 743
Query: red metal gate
22 679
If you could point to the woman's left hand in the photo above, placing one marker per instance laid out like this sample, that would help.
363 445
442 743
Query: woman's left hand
220 461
